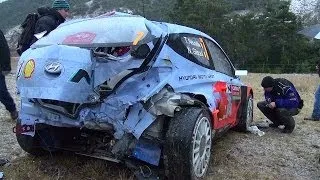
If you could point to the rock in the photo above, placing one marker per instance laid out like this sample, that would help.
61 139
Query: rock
3 162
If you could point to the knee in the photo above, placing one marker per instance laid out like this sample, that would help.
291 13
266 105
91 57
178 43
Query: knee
262 104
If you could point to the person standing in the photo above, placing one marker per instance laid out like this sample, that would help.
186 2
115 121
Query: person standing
316 107
282 101
5 68
51 18
46 20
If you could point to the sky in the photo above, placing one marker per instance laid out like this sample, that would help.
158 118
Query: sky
2 1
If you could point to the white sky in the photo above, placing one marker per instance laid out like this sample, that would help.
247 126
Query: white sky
2 1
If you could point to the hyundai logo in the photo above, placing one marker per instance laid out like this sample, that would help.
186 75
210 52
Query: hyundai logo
53 68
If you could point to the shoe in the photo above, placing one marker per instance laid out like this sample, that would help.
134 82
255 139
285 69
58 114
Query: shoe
14 115
311 119
287 130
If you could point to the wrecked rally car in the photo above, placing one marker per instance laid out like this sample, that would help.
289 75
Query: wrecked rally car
128 90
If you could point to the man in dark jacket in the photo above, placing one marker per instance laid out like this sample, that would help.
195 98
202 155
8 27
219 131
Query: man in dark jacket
282 101
5 68
51 18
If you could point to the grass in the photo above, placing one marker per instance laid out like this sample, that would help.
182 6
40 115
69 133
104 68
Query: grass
65 166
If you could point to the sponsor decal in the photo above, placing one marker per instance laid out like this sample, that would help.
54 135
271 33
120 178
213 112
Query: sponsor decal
138 38
29 68
79 75
196 46
235 90
195 77
80 38
53 68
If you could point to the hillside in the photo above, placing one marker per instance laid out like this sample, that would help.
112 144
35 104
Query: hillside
16 10
308 10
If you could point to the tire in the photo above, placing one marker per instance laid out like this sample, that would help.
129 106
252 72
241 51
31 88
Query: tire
246 117
30 144
189 135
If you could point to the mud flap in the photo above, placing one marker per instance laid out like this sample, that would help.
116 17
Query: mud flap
244 95
147 152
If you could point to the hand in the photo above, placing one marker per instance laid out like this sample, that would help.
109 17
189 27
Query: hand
5 72
272 105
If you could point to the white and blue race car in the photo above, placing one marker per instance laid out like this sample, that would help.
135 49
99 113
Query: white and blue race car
122 88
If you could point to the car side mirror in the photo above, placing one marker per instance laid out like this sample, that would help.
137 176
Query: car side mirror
141 52
241 72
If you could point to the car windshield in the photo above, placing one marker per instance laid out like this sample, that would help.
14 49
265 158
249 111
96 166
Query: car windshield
106 31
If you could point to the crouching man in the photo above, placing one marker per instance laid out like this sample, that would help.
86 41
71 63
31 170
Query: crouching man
282 101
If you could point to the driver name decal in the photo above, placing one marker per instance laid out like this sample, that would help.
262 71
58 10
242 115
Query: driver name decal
196 46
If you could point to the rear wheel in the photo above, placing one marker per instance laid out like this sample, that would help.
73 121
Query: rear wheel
188 144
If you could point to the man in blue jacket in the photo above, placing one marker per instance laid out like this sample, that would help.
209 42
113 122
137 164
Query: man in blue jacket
5 68
316 106
282 101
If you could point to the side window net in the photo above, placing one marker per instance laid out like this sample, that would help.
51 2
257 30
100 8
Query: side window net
220 60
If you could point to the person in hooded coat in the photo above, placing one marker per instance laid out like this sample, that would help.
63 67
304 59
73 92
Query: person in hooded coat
51 18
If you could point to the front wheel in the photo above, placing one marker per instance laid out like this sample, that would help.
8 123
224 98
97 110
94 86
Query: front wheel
188 144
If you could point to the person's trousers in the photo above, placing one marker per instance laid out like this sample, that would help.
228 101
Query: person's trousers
316 106
279 116
5 97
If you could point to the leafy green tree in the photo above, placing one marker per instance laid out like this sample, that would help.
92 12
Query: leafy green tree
263 39
204 15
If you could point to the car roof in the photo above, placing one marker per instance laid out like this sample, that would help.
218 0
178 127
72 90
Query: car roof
104 30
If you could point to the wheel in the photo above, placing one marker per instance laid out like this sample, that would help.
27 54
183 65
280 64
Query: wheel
30 144
246 117
187 147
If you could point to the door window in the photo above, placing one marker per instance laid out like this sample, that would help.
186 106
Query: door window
220 60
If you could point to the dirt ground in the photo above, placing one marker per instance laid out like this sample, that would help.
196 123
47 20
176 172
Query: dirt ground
234 156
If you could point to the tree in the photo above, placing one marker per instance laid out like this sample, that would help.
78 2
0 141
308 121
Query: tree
204 15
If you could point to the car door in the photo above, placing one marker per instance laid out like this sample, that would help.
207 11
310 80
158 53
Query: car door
227 88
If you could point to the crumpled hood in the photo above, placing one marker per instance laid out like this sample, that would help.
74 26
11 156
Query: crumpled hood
53 72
